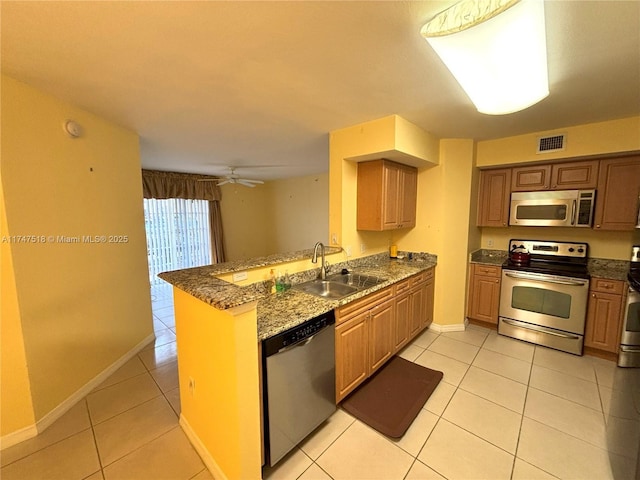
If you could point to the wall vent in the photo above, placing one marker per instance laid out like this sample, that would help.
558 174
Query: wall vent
553 143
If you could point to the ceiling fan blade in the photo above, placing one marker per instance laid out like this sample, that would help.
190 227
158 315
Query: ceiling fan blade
246 183
250 181
224 182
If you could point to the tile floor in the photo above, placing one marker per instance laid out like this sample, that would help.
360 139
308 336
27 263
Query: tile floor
505 409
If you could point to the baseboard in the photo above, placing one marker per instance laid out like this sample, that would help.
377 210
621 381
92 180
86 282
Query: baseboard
206 457
18 436
33 430
454 327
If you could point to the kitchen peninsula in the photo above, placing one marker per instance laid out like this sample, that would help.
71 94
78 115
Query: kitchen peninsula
219 326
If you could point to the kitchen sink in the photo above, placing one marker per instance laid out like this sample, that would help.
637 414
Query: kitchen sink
339 285
327 289
357 280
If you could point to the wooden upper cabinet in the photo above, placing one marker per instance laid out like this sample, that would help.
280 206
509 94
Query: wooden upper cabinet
557 176
575 175
494 196
533 177
618 194
387 194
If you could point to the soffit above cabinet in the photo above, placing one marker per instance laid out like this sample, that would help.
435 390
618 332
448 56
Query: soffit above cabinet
396 156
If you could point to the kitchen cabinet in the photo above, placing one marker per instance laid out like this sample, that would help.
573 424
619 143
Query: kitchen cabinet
557 176
484 293
370 330
364 339
604 314
387 195
494 197
618 195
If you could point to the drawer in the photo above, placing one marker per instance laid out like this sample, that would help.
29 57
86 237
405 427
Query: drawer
363 304
402 287
417 279
604 285
487 270
429 274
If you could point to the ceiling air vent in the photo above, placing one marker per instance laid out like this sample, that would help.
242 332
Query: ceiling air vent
553 143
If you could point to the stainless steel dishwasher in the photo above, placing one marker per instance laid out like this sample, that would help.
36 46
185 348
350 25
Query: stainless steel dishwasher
299 383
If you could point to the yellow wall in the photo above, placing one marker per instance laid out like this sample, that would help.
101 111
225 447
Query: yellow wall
82 305
279 216
218 352
582 140
594 139
442 226
16 408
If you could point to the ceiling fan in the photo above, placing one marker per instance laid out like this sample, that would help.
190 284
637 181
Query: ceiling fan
233 177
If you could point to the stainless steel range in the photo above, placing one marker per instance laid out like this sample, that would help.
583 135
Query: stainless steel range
544 293
629 355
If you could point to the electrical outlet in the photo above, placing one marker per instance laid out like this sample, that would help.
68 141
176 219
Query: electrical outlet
334 238
239 276
347 250
490 242
192 386
363 248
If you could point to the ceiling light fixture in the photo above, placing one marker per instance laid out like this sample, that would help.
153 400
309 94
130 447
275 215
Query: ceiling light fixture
496 50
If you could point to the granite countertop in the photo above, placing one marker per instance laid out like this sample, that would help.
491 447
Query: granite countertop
598 267
281 311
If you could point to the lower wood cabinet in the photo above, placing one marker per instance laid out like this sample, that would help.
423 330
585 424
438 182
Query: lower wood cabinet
369 331
604 314
484 293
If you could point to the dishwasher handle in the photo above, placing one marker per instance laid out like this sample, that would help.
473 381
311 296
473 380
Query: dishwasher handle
301 343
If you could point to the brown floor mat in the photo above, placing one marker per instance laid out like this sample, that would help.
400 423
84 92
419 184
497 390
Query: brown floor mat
391 399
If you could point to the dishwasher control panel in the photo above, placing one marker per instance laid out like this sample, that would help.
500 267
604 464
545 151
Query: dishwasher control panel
298 333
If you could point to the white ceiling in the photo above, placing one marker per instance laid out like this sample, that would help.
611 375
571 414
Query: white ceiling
209 84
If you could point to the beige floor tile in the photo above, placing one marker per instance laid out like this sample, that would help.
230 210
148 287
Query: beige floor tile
164 309
110 401
318 441
132 368
489 421
503 365
415 436
493 387
619 403
567 416
291 466
471 336
411 352
314 472
166 376
457 454
610 375
425 339
419 471
130 430
72 458
169 457
440 398
623 437
563 455
566 386
581 367
168 320
461 351
452 369
479 328
156 357
72 422
361 453
173 396
524 471
510 347
163 336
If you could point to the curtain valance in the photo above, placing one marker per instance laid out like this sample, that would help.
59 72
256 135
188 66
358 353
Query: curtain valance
159 184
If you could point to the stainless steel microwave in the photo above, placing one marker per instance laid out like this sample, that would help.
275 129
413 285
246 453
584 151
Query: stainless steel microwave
560 208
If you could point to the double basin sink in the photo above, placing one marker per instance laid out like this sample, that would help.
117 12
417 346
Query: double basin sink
339 285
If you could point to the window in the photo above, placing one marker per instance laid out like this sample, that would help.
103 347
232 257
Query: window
178 235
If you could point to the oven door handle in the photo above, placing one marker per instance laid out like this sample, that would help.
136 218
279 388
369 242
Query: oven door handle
545 280
573 213
515 323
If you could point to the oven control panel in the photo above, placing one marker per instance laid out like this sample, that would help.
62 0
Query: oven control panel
556 249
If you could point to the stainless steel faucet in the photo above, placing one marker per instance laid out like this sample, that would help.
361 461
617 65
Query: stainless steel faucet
324 266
